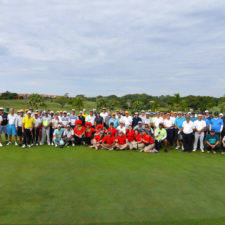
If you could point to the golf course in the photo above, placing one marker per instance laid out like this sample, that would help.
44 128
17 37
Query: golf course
76 185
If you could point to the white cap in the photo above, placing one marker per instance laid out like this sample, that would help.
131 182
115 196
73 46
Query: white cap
64 111
73 110
221 114
1 108
142 111
29 112
59 125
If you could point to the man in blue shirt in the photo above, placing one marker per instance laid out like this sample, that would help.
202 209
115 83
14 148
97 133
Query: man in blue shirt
57 136
193 117
114 120
136 119
216 124
178 124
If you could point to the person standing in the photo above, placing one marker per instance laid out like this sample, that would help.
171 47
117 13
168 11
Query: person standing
188 128
103 114
127 120
136 119
98 120
91 118
4 124
200 126
216 124
11 130
19 126
178 125
73 118
168 125
107 118
46 122
36 130
28 125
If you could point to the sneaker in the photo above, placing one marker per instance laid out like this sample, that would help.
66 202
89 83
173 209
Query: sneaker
31 145
16 144
49 144
9 143
214 152
36 144
52 144
177 147
182 148
202 150
194 150
73 145
208 151
1 145
28 146
56 146
223 153
24 146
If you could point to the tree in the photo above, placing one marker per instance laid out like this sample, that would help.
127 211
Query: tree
62 100
101 102
35 101
137 105
78 103
8 95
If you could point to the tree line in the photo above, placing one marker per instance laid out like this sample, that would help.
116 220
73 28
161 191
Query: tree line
133 102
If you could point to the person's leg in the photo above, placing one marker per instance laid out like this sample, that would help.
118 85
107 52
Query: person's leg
25 137
157 145
43 136
29 137
56 141
196 141
165 144
123 147
0 136
185 141
209 149
141 147
134 145
5 128
48 135
190 142
202 141
149 148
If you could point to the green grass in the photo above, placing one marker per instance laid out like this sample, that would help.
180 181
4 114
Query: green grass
22 104
45 185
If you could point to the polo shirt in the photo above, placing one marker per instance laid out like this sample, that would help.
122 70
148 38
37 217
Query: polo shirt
109 140
199 125
127 121
135 121
188 127
212 139
28 122
114 121
73 119
138 137
193 119
46 120
162 135
65 120
58 132
12 119
121 140
113 130
103 115
168 123
98 120
147 138
157 121
68 133
216 124
179 121
4 119
130 135
91 119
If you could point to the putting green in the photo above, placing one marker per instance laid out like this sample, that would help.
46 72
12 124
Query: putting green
76 185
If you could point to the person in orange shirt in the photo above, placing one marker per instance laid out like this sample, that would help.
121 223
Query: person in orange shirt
112 129
148 142
121 141
130 136
97 140
89 133
79 132
108 142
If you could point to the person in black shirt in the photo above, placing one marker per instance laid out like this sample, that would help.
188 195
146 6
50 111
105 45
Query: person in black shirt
136 119
81 117
4 124
98 119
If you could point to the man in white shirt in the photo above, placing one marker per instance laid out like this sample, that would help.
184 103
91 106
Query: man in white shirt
143 116
127 120
73 118
157 120
68 136
103 114
148 119
188 128
65 120
200 126
91 118
169 125
36 130
19 125
11 130
121 127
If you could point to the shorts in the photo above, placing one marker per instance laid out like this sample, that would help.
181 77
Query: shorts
11 130
3 129
19 131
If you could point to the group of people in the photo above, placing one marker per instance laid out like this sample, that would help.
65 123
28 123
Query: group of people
145 131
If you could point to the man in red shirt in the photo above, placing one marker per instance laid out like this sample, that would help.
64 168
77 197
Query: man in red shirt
137 143
79 132
108 142
112 129
121 141
148 142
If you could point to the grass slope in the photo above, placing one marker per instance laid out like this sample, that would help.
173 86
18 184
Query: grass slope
45 185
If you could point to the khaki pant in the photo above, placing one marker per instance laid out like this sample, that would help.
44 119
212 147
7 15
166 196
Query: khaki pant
136 145
149 147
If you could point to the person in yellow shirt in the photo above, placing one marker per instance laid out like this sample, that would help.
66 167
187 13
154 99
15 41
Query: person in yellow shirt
28 125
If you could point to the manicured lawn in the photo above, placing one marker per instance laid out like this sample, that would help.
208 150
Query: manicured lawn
45 185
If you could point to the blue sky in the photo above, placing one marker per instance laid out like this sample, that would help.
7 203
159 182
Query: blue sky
102 47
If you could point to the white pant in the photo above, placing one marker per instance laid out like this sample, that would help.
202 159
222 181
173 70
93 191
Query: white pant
197 136
44 133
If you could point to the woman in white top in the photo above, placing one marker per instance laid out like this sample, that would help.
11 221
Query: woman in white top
188 128
121 127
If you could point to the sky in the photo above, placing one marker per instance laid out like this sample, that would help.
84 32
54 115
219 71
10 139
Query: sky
102 47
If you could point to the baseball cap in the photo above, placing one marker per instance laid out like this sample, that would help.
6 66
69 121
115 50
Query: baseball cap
213 131
221 114
1 108
59 125
142 111
29 112
139 122
68 125
80 112
136 113
216 113
73 110
64 111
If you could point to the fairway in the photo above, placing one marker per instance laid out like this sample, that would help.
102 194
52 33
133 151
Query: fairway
45 185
